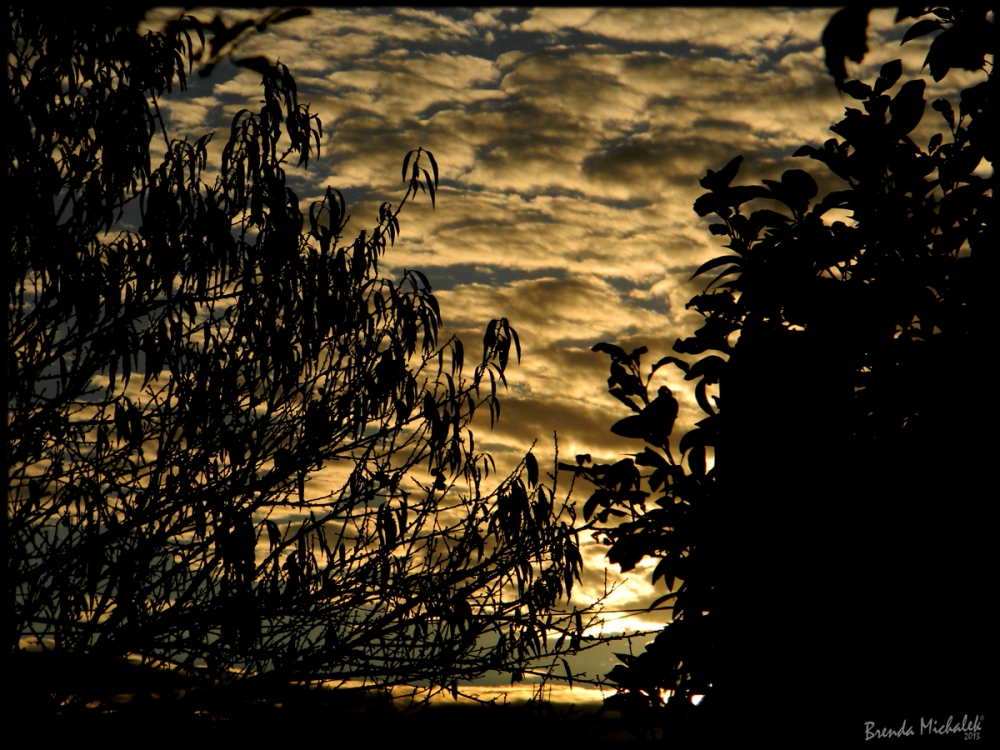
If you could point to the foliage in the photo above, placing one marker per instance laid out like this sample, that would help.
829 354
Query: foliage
681 659
889 297
175 392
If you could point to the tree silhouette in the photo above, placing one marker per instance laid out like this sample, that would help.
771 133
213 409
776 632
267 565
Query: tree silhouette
844 464
175 391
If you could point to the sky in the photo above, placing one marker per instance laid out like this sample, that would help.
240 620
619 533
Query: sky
570 143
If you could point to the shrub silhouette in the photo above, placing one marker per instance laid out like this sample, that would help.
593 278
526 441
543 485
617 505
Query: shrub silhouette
841 462
174 391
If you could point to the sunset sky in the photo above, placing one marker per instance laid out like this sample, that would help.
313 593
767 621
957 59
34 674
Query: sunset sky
570 143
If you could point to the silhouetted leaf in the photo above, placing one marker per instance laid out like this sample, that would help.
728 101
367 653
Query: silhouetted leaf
907 107
569 672
836 199
707 203
406 163
434 166
430 186
845 36
765 217
696 460
891 71
709 367
944 107
628 552
680 363
650 457
799 183
920 28
273 535
722 260
631 427
531 463
257 64
721 179
616 352
857 90
662 569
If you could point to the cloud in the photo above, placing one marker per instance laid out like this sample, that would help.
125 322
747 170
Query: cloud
570 143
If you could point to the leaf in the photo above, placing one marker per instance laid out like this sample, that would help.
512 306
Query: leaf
739 195
721 179
942 56
649 457
631 427
707 204
616 352
430 186
891 71
628 552
423 280
434 166
257 64
907 107
765 217
406 163
944 107
836 199
569 672
692 439
656 603
661 569
729 172
701 397
800 184
626 659
845 36
680 363
531 464
696 459
709 367
857 90
621 396
722 260
920 28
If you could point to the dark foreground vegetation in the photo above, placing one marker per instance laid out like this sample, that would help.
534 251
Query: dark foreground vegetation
830 568
117 699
